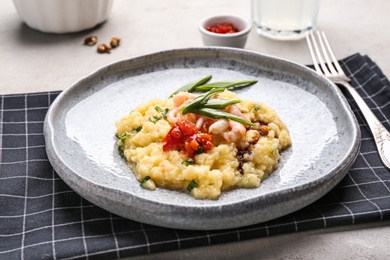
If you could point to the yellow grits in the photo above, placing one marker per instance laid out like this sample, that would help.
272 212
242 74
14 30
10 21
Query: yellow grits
226 166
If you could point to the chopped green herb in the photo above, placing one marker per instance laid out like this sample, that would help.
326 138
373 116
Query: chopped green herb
122 137
154 119
192 185
145 180
164 112
120 151
137 129
148 183
188 162
256 108
190 86
126 134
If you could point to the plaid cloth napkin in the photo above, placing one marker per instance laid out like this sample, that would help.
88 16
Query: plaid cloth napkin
42 218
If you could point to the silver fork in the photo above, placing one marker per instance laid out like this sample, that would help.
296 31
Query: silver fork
333 71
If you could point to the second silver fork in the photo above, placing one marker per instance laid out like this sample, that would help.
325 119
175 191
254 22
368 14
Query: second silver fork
331 68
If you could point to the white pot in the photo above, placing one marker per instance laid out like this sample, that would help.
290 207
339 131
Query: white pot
235 40
63 16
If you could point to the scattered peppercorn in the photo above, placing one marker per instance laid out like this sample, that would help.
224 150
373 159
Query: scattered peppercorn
115 42
90 40
103 48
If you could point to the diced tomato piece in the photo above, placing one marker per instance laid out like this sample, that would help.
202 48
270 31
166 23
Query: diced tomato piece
206 140
184 136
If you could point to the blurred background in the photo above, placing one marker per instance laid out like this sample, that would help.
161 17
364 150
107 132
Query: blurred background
149 26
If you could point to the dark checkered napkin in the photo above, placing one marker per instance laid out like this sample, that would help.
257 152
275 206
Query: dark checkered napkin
42 218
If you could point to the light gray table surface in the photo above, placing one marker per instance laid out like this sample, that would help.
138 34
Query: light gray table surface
33 61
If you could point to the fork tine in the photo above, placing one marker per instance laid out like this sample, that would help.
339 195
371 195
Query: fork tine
323 69
313 56
336 63
321 35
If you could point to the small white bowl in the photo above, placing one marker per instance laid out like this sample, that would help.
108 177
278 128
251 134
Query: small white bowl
63 16
236 40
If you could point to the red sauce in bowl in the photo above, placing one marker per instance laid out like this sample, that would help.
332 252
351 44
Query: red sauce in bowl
223 28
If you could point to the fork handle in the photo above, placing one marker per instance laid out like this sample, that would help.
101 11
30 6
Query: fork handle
380 133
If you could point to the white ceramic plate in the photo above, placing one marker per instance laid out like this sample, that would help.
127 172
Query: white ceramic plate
80 126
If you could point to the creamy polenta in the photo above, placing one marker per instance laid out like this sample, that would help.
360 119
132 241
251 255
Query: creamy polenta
239 155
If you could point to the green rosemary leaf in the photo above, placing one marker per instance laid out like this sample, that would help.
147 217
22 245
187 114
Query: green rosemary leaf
200 100
217 114
192 85
225 84
221 103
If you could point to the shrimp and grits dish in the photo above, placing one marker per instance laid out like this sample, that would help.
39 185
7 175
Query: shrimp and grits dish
203 140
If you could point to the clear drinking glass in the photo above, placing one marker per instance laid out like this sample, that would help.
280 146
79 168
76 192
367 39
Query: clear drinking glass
285 19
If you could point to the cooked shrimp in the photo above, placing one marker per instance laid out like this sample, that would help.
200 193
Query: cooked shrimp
182 97
173 115
199 123
219 127
203 124
233 109
193 118
236 133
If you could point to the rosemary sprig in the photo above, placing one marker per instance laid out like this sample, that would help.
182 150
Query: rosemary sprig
217 114
200 101
221 103
204 105
229 84
192 85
